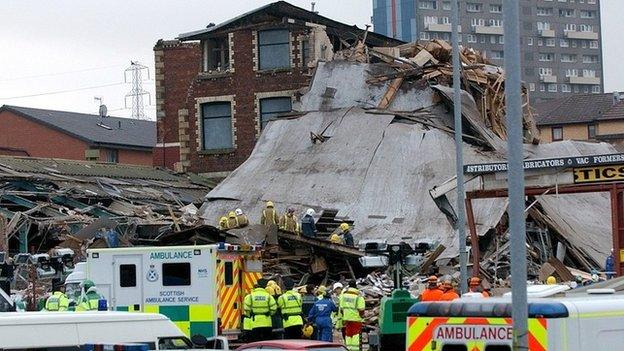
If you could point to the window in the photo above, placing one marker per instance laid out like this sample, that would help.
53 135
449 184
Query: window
273 49
542 87
471 38
496 8
446 5
430 20
596 89
472 7
593 44
425 36
550 42
568 58
543 25
217 125
569 27
546 57
588 14
496 23
585 28
571 72
493 39
127 275
565 88
552 88
305 52
112 155
567 13
530 41
477 22
544 11
540 42
531 86
228 273
501 39
589 73
176 274
271 107
564 43
427 5
216 54
557 133
497 55
545 71
591 131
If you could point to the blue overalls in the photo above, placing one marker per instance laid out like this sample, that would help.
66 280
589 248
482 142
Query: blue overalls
320 314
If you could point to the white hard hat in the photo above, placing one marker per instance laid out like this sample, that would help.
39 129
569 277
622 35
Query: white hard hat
337 286
310 212
238 212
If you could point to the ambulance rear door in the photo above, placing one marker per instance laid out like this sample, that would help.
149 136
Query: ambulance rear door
229 274
128 282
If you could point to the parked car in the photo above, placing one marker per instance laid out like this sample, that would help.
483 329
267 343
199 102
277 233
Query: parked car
293 345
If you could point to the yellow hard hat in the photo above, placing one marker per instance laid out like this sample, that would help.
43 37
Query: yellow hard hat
232 214
307 331
335 238
344 226
270 289
271 283
321 289
270 204
551 280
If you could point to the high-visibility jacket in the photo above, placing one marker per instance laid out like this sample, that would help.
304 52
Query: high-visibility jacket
449 295
269 216
289 224
259 306
290 304
58 301
242 220
89 303
428 294
351 304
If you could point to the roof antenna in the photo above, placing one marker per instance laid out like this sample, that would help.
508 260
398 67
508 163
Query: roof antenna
103 111
313 5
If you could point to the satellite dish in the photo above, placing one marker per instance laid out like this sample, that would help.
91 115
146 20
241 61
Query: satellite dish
103 111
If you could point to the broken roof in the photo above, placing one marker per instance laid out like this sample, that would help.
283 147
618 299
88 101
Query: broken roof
109 131
579 108
281 10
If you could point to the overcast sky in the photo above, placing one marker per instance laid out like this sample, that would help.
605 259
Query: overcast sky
66 46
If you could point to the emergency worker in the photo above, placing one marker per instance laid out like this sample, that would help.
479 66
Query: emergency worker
223 223
351 306
241 218
345 231
449 291
336 317
57 302
276 320
433 291
336 238
610 266
259 306
320 315
290 306
474 286
308 227
289 223
232 221
320 292
269 215
91 299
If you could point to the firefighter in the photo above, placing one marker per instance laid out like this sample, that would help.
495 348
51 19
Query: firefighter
232 221
290 306
449 292
269 215
58 301
259 306
223 223
241 218
320 315
345 231
289 223
474 286
351 306
432 292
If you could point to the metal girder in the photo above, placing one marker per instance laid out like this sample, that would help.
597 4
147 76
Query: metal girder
18 200
63 200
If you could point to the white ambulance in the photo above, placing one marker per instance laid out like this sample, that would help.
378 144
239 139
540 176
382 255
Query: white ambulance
184 283
592 322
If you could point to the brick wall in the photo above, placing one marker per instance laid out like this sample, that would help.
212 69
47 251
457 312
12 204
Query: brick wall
243 85
135 157
176 65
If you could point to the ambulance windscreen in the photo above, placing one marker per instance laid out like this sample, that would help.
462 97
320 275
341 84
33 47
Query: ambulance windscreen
476 309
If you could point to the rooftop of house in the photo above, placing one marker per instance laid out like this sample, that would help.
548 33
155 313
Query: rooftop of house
107 132
580 108
284 11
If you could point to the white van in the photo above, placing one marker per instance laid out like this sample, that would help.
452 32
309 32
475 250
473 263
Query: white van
68 331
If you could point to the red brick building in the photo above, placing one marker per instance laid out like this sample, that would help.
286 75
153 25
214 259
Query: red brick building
217 87
75 136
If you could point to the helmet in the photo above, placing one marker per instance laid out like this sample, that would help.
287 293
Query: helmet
238 212
344 226
551 280
307 331
270 204
337 286
290 210
335 238
310 212
88 284
232 214
475 281
223 221
270 289
432 280
321 290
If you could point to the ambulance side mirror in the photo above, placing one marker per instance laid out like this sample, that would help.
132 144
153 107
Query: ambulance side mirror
199 341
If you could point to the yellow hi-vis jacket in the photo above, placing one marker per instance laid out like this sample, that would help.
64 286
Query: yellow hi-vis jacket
289 304
350 304
259 306
58 301
269 216
289 224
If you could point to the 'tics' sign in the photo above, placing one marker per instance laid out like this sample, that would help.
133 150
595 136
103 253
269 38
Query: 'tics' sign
599 174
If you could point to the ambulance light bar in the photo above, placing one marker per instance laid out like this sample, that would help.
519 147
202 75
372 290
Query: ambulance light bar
485 309
239 248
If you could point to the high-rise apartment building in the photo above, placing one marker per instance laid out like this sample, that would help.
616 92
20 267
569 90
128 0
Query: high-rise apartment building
561 40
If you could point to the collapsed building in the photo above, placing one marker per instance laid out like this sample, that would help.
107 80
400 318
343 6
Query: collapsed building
373 134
